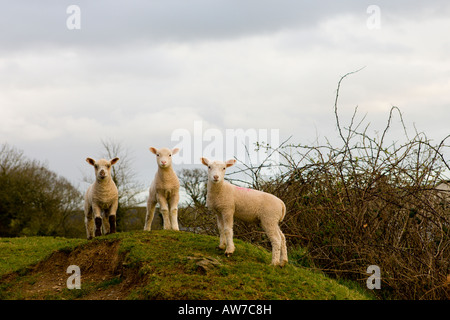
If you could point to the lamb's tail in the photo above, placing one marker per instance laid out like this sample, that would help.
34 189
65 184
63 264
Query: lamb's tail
283 210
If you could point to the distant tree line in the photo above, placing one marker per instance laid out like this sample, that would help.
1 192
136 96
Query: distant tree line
33 199
37 201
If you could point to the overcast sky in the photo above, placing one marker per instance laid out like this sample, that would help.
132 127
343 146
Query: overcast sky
137 71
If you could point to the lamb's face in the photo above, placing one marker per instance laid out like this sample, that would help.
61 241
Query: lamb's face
216 169
102 167
164 156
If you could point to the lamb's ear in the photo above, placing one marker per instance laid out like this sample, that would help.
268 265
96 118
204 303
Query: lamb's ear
113 161
205 161
229 163
90 161
175 151
153 150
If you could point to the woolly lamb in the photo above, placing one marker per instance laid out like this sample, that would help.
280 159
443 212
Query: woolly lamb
229 201
164 190
101 199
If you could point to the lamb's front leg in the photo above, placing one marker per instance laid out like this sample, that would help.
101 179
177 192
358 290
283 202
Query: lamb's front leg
222 241
98 220
227 218
151 204
112 217
164 207
105 218
173 207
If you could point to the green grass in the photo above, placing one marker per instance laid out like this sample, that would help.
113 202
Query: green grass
17 253
164 266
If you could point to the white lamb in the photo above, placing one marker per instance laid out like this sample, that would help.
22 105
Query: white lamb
164 190
101 199
229 201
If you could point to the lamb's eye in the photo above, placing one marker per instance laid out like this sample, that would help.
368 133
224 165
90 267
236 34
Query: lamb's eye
223 168
157 154
108 166
209 167
96 166
170 155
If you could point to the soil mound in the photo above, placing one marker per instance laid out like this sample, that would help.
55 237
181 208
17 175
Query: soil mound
99 262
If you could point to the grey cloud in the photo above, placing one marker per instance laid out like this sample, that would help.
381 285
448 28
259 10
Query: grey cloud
116 83
115 23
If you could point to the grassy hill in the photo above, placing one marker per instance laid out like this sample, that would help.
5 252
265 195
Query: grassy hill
154 265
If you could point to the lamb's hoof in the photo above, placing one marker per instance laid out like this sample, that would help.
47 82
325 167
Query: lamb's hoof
278 263
228 254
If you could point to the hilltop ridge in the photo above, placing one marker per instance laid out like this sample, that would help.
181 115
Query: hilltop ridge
167 265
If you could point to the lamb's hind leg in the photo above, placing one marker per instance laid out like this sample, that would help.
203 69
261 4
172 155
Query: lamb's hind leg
283 257
273 232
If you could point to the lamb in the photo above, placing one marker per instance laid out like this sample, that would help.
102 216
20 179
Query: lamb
165 190
101 199
229 201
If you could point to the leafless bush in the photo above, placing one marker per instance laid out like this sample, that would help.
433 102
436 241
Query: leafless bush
351 210
369 203
193 215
